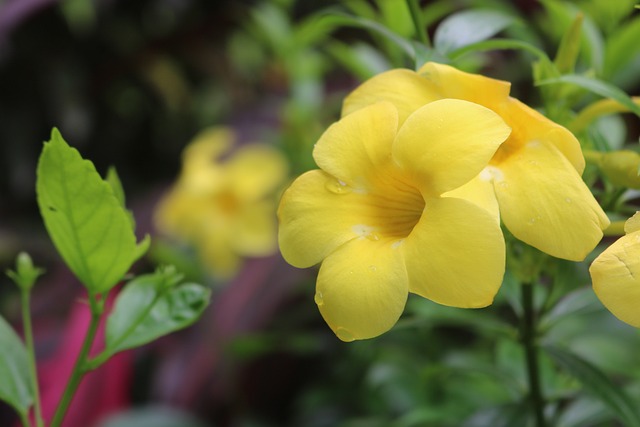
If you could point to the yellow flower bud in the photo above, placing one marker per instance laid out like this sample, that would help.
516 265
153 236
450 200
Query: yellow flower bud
621 168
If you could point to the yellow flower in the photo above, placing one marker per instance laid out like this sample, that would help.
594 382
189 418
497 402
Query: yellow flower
225 208
615 274
535 176
375 217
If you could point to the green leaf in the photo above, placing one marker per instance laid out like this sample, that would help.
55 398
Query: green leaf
153 416
116 185
597 383
469 27
151 306
340 18
569 48
86 221
503 44
598 87
580 301
14 370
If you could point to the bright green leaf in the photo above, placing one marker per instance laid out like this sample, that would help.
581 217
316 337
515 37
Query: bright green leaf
14 370
598 87
469 27
88 225
597 383
151 306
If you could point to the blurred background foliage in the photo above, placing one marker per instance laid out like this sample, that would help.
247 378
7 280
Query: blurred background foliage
130 84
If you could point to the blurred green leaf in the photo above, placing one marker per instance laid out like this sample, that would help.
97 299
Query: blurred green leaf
15 386
340 18
597 383
569 49
151 306
502 44
508 415
598 87
623 50
559 17
152 417
362 60
85 220
580 301
469 27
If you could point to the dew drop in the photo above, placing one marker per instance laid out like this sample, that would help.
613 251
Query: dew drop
568 200
344 334
531 221
373 268
338 187
373 237
318 299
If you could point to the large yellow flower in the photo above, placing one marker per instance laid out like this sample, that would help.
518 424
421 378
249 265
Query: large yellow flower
226 209
535 176
615 274
375 217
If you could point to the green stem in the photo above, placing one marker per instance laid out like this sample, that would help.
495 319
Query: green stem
531 354
416 15
107 353
79 368
31 352
24 419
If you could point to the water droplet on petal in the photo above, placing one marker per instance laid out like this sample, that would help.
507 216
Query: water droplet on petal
344 334
318 298
373 268
531 221
568 200
373 237
338 187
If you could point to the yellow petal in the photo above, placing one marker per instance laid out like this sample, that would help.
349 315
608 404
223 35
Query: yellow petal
480 192
529 126
362 289
317 214
446 143
353 148
453 83
254 229
403 88
456 254
214 249
632 224
616 278
544 202
255 170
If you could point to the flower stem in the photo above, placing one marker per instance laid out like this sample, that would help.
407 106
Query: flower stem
531 354
31 352
79 368
416 16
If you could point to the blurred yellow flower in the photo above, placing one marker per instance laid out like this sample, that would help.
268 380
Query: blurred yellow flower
534 177
374 214
224 201
615 274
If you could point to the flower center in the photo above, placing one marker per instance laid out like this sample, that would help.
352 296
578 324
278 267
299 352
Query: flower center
391 211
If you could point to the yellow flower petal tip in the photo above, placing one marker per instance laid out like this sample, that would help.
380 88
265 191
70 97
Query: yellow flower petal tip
615 275
226 208
375 217
535 173
632 224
